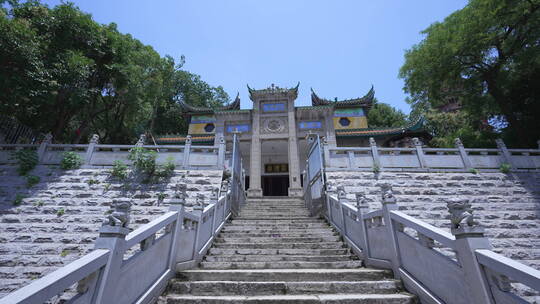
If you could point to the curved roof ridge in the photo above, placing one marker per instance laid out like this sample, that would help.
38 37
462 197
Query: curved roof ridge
365 101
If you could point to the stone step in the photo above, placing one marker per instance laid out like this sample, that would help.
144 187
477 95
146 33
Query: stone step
274 226
307 233
241 252
225 239
288 275
221 288
272 215
304 213
320 245
285 219
280 265
281 229
259 221
270 258
301 299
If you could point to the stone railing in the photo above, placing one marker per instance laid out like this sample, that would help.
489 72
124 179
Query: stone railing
97 155
437 266
135 267
375 158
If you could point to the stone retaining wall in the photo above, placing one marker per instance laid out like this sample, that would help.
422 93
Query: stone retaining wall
36 237
508 205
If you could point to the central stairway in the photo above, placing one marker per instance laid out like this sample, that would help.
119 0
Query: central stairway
273 252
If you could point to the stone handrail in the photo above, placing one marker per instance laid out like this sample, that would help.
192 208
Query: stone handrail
419 158
135 267
437 266
61 279
175 240
96 155
498 269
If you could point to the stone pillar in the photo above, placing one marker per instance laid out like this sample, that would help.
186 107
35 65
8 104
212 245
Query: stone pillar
470 237
419 152
294 160
464 156
187 151
90 150
42 150
329 128
221 152
507 157
112 236
375 153
255 189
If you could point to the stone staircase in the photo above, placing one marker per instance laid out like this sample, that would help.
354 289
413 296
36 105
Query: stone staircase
273 252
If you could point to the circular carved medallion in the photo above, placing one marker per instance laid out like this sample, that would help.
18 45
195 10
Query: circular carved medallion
274 125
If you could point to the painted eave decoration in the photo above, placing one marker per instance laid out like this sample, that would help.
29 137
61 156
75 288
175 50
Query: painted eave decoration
417 126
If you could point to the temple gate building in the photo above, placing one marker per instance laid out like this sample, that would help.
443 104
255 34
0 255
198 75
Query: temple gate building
273 133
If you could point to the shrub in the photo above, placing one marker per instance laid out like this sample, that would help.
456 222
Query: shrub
71 160
26 160
119 170
60 212
376 169
92 181
473 170
167 169
31 180
143 160
505 168
18 200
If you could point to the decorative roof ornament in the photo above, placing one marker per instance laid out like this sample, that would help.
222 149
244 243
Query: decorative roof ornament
273 90
365 101
235 105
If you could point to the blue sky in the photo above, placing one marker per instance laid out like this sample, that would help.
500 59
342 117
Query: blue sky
339 48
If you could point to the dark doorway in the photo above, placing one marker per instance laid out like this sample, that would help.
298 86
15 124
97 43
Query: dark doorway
275 185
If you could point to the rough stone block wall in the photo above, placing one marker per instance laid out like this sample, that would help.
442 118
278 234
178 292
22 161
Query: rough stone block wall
508 205
37 238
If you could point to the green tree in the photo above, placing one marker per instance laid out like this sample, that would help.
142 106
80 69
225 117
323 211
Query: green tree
384 115
62 72
487 56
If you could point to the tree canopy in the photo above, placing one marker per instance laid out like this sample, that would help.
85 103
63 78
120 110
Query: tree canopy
64 73
487 57
384 115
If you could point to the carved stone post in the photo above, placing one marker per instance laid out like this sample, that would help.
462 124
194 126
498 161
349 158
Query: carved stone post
112 236
506 156
141 141
374 153
389 204
464 156
419 152
221 152
326 152
361 208
42 150
187 151
470 237
90 150
176 204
